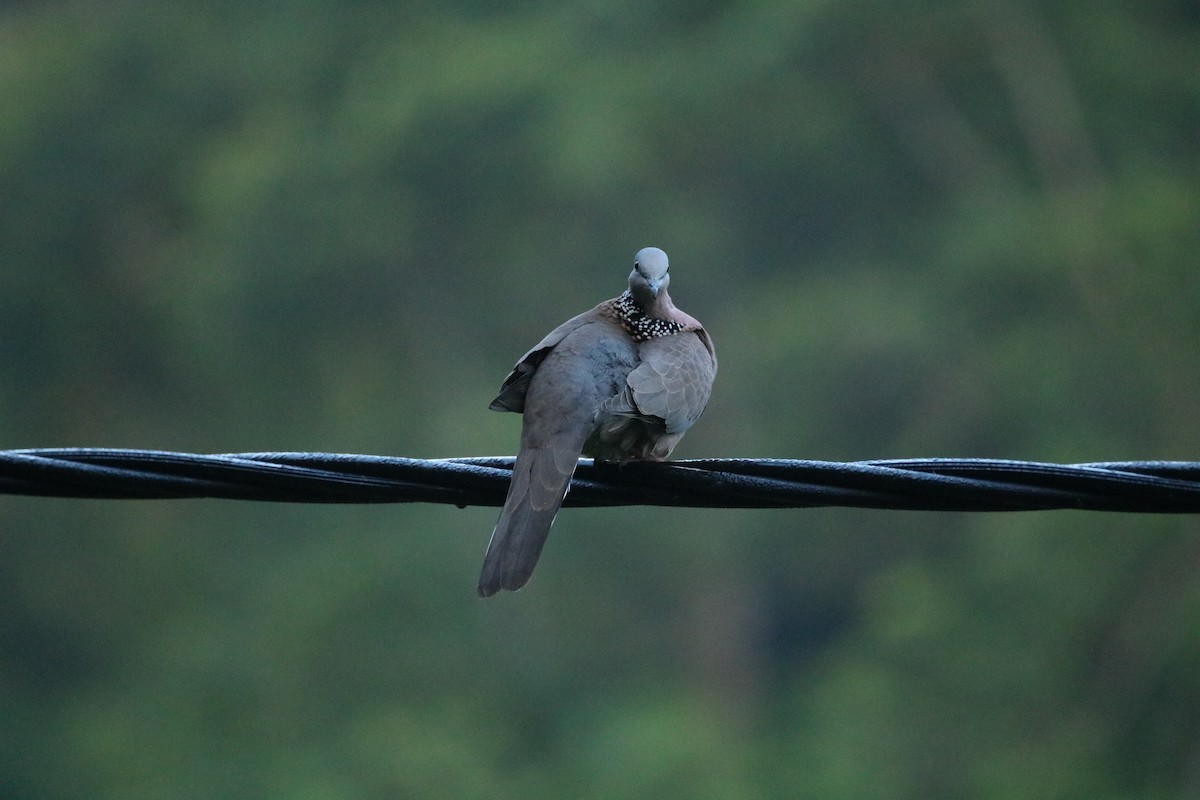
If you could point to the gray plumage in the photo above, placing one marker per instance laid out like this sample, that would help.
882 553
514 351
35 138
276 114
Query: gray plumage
621 382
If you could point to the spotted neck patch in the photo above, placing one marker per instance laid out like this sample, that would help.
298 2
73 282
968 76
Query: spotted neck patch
639 326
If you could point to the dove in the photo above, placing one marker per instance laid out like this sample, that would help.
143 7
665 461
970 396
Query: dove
621 382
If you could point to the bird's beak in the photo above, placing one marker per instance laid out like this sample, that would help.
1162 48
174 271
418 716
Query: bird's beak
654 285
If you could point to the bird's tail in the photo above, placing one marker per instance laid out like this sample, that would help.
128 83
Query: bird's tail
540 481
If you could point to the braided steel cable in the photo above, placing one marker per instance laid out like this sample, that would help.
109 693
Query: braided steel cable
934 484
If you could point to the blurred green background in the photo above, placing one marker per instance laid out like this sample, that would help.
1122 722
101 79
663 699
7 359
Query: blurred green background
963 228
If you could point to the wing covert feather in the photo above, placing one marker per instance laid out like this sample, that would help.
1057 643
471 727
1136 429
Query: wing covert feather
674 380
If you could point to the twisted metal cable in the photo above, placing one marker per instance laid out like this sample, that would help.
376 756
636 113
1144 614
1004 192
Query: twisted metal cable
935 484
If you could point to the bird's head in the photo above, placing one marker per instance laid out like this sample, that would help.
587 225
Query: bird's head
650 276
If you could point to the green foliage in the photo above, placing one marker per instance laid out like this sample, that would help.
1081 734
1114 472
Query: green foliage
963 228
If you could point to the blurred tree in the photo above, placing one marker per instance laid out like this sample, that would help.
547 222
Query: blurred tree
960 228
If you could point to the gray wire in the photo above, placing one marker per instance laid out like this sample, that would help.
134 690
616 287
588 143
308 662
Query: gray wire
936 484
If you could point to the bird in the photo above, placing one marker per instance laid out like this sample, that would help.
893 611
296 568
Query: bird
622 382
